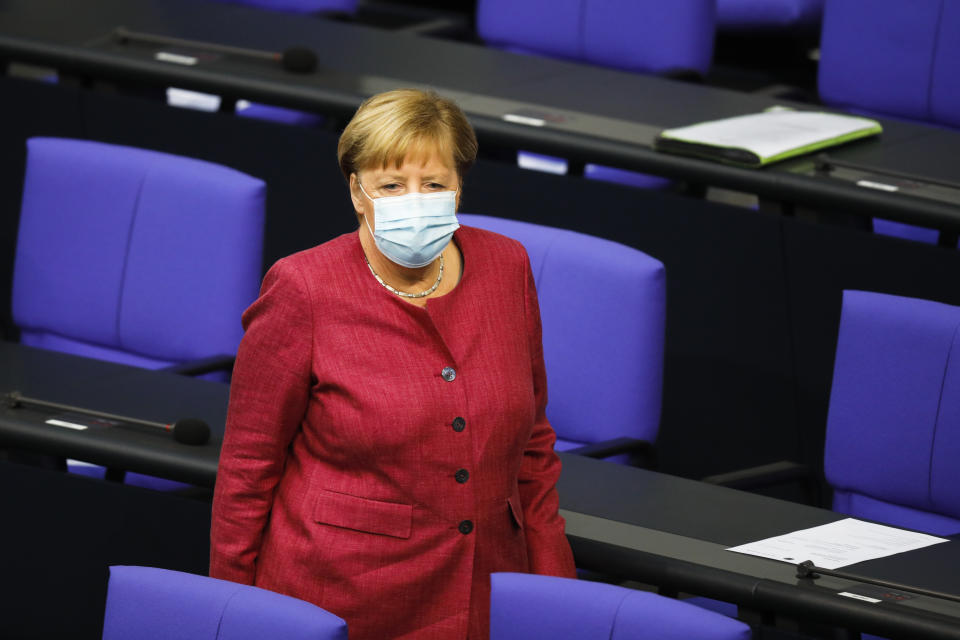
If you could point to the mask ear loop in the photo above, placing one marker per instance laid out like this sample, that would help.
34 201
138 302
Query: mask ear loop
365 220
362 190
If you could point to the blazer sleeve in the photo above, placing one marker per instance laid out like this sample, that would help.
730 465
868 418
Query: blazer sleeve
269 391
547 546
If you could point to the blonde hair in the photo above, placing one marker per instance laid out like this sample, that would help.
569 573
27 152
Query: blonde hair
392 126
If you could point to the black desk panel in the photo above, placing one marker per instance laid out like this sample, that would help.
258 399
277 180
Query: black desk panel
60 534
110 388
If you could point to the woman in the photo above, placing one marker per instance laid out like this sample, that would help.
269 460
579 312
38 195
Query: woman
386 445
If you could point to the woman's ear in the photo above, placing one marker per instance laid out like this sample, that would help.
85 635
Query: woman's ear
356 195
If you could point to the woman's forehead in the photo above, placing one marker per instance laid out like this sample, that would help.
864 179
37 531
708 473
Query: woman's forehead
430 160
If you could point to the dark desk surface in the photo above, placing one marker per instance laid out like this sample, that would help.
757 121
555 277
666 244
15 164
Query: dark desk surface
648 526
110 388
591 114
674 533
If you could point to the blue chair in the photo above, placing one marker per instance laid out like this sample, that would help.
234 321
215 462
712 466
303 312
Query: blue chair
643 37
603 308
158 604
529 607
134 256
768 16
905 231
899 60
893 429
199 101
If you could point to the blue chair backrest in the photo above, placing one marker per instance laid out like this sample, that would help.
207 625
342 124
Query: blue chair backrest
603 308
135 256
526 606
893 57
893 431
156 604
642 36
768 15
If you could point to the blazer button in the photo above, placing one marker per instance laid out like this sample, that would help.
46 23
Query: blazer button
462 475
448 373
465 527
459 424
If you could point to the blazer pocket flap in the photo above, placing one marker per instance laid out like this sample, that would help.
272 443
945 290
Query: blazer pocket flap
514 503
362 514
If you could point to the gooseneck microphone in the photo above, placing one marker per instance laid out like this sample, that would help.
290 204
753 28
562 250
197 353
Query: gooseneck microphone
185 430
810 571
297 59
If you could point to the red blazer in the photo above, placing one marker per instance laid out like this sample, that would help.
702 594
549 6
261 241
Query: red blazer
382 459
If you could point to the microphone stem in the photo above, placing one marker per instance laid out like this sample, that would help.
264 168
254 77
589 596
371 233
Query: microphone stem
14 399
122 33
809 570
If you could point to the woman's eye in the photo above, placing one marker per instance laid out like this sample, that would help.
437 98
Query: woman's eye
390 188
435 186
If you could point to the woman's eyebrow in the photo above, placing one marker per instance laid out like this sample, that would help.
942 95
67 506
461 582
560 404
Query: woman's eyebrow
435 177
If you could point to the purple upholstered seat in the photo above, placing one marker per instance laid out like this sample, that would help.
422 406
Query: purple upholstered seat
524 606
134 256
156 604
897 59
905 231
643 37
282 115
768 16
603 308
893 431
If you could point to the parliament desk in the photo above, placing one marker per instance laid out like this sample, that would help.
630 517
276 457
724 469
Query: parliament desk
581 112
62 531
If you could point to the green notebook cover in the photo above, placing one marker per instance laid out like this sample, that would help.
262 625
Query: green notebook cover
759 139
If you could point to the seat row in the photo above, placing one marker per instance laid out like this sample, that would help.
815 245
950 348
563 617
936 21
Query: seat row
149 259
731 15
157 604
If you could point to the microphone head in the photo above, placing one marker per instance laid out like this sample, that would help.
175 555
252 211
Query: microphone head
299 60
191 431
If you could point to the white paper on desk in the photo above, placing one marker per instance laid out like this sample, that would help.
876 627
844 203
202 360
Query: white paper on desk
838 544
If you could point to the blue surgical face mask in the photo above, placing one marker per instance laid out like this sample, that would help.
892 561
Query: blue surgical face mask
413 229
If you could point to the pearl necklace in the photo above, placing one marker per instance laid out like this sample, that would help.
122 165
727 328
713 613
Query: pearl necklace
404 294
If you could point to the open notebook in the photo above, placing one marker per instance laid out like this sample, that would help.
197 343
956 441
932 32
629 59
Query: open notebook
759 139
